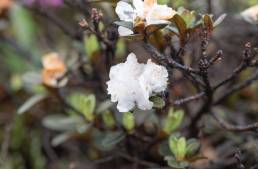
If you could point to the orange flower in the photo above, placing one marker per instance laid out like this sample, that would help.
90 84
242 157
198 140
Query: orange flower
53 71
5 4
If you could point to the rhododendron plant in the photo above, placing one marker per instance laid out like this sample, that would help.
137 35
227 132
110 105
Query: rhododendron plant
148 87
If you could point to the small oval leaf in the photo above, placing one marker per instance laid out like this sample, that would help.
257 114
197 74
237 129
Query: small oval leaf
219 20
30 103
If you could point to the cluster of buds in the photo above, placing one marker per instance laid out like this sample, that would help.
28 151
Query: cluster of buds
96 15
204 62
247 54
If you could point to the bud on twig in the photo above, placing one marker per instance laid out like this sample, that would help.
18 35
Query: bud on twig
247 54
96 15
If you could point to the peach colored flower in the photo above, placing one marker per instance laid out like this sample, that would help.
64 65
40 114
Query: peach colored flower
54 69
5 4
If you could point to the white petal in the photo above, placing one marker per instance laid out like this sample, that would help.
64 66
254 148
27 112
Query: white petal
125 105
154 77
139 7
160 12
132 58
251 14
125 11
123 31
150 21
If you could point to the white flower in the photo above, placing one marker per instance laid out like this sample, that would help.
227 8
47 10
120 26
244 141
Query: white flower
251 14
131 83
147 11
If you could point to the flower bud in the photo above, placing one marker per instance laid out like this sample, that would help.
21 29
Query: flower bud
128 121
108 119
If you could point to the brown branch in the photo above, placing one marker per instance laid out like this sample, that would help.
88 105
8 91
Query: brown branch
188 99
238 87
136 160
204 65
237 128
239 69
158 56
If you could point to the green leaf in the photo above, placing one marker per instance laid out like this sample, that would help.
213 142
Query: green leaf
85 104
219 20
175 164
18 132
193 146
208 23
83 127
120 48
30 103
154 27
128 25
91 45
133 37
173 120
108 119
16 82
60 122
189 18
61 138
181 26
177 146
128 121
181 149
164 149
173 29
157 101
173 144
104 106
112 138
23 27
37 158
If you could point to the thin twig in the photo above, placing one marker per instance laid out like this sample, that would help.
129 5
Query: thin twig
188 99
231 127
238 87
171 62
138 161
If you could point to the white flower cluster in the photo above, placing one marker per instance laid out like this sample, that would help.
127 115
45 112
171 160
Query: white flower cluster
251 14
148 11
131 83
